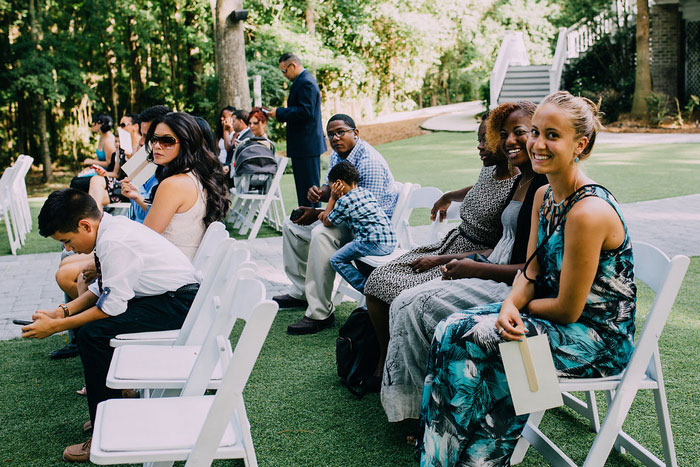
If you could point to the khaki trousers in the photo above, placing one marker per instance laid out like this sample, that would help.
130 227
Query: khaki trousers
306 254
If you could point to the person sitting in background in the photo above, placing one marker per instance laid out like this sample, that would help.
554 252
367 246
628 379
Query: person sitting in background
106 187
225 132
191 191
242 132
241 126
144 283
358 208
130 124
102 125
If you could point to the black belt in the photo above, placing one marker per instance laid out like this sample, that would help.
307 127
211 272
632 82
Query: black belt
188 288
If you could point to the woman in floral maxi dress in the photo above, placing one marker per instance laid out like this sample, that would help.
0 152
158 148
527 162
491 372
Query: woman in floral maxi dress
579 290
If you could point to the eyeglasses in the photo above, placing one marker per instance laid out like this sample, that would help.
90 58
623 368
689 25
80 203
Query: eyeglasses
338 133
165 141
284 71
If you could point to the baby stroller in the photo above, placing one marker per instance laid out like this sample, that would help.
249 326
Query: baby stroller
254 166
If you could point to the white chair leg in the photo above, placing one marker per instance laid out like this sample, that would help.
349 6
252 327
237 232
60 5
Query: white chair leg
523 443
248 221
264 211
665 425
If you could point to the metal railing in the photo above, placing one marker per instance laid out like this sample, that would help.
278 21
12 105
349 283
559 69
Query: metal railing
512 52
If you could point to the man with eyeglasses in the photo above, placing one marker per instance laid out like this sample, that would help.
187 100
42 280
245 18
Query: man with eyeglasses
305 142
307 245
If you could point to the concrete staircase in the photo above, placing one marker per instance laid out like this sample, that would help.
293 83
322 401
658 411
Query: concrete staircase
525 83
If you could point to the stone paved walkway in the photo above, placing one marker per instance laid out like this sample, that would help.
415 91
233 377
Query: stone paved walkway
672 224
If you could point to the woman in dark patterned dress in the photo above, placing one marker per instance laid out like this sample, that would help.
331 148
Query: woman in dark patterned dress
579 290
480 229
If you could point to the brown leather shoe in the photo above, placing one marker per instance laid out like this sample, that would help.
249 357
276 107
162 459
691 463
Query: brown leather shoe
78 452
310 326
87 426
287 301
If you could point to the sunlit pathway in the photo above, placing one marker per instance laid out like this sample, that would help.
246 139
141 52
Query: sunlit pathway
672 224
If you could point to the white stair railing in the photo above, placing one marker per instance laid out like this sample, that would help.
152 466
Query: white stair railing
512 52
558 62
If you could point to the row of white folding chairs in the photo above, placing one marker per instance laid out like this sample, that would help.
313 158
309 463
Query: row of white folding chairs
190 427
14 202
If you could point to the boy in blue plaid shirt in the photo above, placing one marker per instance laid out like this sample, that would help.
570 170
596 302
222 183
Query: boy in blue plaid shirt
367 221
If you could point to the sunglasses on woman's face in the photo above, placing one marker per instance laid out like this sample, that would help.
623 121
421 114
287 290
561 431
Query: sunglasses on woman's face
165 141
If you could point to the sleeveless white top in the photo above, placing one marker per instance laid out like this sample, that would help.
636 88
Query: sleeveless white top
186 229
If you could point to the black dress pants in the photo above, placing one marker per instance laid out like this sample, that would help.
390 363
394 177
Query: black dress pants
155 313
307 173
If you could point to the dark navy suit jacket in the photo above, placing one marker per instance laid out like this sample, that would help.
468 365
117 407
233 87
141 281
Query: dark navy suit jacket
305 136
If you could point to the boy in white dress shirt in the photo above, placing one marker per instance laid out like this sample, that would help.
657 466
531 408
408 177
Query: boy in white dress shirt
144 283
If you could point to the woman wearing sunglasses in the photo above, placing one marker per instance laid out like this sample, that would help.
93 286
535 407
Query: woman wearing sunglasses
191 193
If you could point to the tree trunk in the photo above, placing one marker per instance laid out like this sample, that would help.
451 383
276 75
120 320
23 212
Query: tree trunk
310 16
43 139
642 77
231 68
39 98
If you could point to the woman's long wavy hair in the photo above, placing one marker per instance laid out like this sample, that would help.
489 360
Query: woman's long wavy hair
195 157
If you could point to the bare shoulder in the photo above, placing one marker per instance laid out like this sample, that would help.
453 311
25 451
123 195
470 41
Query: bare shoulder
179 185
592 212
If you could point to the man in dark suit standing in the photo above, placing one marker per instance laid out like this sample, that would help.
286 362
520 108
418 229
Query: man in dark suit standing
305 139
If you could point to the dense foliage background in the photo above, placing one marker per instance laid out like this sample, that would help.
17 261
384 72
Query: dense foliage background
71 59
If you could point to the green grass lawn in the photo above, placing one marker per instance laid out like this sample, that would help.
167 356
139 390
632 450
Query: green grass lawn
300 415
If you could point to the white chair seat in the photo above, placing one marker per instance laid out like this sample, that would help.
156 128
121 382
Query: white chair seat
601 384
155 366
376 261
151 337
160 430
181 419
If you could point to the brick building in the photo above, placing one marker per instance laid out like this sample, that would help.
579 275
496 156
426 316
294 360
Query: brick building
675 47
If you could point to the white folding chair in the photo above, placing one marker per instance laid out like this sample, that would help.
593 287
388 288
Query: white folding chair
401 213
220 272
156 367
270 206
15 179
9 215
664 277
118 209
24 165
194 427
213 236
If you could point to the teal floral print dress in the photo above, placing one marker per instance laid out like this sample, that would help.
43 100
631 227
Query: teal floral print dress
467 415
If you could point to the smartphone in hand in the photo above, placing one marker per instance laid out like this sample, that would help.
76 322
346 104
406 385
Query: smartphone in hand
22 322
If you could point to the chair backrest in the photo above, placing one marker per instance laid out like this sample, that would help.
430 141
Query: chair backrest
420 197
229 397
238 301
213 236
229 255
404 190
665 277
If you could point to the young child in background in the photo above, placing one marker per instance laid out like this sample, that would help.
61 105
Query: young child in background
367 221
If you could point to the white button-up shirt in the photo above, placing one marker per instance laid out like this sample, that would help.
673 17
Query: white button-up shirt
136 262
